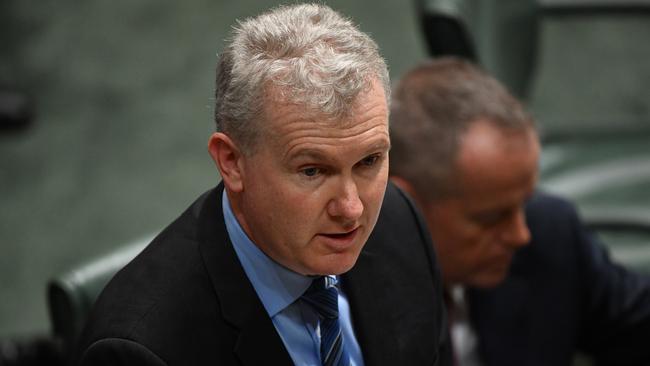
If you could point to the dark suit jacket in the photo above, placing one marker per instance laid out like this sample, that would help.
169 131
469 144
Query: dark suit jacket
563 294
187 301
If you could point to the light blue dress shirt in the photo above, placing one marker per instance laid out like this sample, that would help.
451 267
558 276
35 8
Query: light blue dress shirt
278 288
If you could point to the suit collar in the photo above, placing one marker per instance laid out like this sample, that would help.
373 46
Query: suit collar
259 342
377 343
276 286
390 330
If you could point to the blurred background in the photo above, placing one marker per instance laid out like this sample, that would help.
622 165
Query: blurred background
107 108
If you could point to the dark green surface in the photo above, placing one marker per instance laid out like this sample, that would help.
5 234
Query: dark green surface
609 179
123 91
591 98
593 73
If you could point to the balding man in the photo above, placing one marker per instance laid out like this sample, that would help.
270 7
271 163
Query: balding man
527 284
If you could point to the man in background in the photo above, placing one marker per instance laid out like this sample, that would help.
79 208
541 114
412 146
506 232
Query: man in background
279 264
526 283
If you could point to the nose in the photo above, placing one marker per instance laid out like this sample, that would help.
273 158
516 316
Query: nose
516 234
346 204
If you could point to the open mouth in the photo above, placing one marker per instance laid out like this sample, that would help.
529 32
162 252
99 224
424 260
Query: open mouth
340 242
347 235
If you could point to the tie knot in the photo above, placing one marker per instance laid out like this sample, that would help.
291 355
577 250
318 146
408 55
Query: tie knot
323 296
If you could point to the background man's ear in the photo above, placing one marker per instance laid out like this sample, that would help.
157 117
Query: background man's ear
227 157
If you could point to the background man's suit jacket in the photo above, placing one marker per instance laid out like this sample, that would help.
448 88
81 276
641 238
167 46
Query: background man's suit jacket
563 293
187 301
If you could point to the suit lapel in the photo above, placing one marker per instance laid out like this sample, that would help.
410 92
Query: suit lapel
393 298
366 294
258 342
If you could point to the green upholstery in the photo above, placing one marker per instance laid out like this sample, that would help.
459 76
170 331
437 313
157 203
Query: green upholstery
502 33
513 41
71 295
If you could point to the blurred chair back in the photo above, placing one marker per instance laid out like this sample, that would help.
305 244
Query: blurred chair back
500 35
71 296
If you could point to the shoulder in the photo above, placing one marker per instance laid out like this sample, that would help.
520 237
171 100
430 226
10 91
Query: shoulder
545 204
164 291
399 260
153 297
401 226
559 240
396 197
398 212
550 216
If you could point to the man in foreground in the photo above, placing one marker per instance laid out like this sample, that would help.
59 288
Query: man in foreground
279 264
468 153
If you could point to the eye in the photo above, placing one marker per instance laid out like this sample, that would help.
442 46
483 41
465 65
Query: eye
370 160
494 217
488 218
310 172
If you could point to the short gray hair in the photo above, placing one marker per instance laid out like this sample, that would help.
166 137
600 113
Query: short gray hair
314 56
433 106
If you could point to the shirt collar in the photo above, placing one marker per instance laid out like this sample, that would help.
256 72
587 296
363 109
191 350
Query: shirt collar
275 285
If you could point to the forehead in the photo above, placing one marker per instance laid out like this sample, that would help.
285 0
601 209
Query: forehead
493 162
294 126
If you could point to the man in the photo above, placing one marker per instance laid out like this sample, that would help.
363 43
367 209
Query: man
272 267
468 153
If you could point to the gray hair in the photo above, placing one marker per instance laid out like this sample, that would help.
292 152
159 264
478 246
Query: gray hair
433 106
314 56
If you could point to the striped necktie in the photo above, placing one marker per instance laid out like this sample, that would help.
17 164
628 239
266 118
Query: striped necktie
323 296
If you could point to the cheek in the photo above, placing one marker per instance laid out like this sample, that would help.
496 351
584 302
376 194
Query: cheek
468 247
480 240
275 205
372 194
298 215
464 241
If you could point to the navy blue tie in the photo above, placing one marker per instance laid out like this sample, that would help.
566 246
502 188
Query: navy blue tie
323 296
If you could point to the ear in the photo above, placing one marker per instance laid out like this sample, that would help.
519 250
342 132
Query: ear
228 158
406 186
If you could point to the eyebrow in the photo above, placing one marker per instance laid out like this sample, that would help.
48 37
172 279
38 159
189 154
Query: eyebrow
383 145
308 153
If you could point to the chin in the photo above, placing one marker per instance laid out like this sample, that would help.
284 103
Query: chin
335 264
